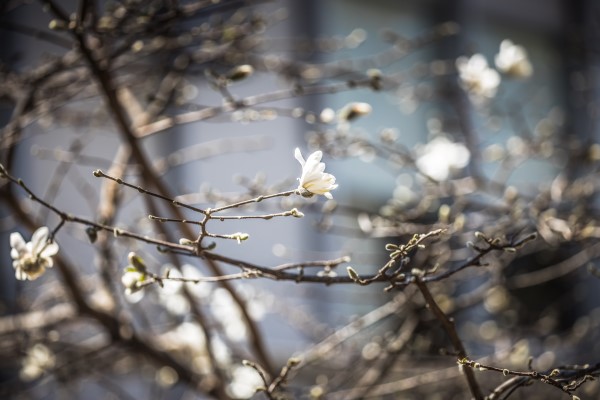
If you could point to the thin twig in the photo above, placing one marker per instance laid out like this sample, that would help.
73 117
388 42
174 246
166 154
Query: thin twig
450 329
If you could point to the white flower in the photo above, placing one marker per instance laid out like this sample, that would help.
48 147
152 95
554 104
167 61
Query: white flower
314 180
31 259
134 275
512 60
244 382
132 279
440 156
477 78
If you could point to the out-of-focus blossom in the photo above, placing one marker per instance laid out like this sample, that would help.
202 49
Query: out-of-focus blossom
313 179
440 157
201 289
132 280
170 295
39 359
327 115
512 60
228 314
477 78
31 259
244 382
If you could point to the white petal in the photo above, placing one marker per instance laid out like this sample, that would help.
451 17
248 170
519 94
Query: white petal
50 250
20 275
314 159
18 245
49 262
14 253
38 240
299 157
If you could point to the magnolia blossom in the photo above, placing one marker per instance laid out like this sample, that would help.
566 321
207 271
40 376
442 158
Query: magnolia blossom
314 180
31 259
134 275
477 78
512 60
132 280
440 156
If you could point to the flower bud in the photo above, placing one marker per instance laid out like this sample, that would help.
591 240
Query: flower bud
240 72
354 110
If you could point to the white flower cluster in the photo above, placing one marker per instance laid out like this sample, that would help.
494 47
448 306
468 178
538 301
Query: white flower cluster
481 81
477 78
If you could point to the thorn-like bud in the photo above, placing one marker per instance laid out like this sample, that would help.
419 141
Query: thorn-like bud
92 233
292 362
57 25
375 76
374 73
354 110
97 173
240 237
186 242
417 272
352 274
240 72
136 262
295 213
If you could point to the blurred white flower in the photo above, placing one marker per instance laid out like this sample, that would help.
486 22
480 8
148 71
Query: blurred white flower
170 295
221 351
200 289
226 311
244 382
31 259
512 60
314 180
132 280
39 359
327 115
477 78
440 156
